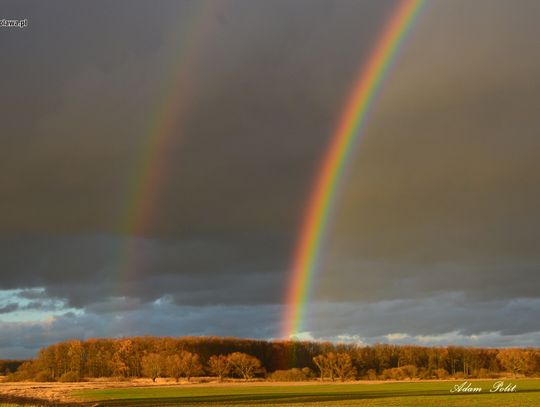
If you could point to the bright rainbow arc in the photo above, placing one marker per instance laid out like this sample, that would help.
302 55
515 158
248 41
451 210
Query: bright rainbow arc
348 132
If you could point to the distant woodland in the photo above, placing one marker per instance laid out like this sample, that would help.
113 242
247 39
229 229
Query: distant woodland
189 357
9 366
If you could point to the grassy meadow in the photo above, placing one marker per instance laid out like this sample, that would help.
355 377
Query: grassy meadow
413 394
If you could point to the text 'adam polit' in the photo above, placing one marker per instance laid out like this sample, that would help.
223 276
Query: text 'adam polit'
498 387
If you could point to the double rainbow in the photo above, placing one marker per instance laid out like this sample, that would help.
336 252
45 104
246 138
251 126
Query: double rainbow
346 136
148 181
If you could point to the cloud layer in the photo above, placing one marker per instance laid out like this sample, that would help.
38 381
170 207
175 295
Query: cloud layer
434 237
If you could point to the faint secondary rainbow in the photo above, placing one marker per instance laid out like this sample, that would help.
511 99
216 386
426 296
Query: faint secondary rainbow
164 132
149 171
348 132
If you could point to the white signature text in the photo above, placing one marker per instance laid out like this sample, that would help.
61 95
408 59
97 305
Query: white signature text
497 387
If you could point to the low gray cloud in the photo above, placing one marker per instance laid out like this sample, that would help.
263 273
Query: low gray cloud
10 307
440 320
435 315
86 270
23 339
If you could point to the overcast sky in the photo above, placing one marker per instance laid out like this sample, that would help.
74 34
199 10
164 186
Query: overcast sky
436 233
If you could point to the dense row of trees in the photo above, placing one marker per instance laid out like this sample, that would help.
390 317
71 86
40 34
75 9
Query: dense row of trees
8 366
189 357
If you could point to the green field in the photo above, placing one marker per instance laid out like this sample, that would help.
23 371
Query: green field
417 394
18 405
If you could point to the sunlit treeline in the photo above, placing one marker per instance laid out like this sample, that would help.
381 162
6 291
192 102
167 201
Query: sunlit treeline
288 360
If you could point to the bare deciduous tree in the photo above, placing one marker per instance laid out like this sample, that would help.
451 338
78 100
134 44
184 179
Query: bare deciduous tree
514 360
152 365
219 366
343 366
335 365
173 364
190 364
322 364
243 364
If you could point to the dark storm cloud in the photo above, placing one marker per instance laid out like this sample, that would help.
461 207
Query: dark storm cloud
443 193
263 94
438 214
260 99
414 277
